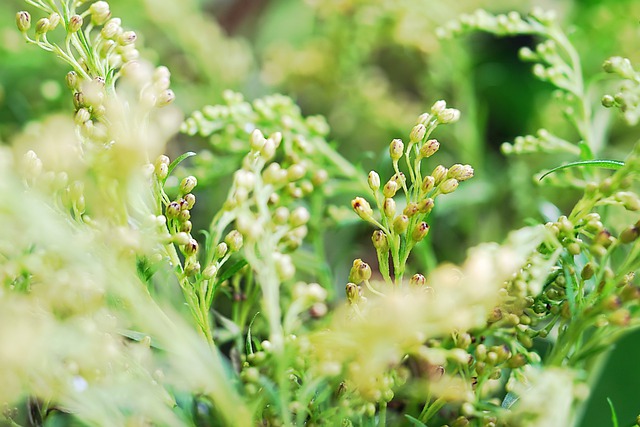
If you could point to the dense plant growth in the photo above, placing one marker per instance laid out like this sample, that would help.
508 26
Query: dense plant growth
265 275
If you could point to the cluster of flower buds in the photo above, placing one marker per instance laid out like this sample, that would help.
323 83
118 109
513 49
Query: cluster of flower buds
502 24
544 142
407 223
627 97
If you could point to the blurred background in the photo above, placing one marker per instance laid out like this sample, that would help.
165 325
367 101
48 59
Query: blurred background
371 67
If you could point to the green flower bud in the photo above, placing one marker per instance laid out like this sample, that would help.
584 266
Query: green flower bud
362 208
23 21
449 186
439 174
390 189
396 149
420 232
42 26
234 240
587 271
319 177
257 140
608 101
81 116
629 235
191 268
428 183
172 210
184 215
438 107
210 272
629 200
186 227
411 209
400 224
417 133
295 172
75 24
360 271
190 201
221 250
188 184
429 148
425 206
111 29
374 180
354 293
620 66
191 247
161 171
299 216
127 38
379 240
72 80
389 207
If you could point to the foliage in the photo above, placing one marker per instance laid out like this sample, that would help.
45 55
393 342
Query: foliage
207 289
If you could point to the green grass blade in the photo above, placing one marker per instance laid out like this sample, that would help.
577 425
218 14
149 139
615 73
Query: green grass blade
614 417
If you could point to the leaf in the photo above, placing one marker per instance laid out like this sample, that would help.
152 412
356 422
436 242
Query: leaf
176 162
249 343
231 271
414 421
614 417
605 164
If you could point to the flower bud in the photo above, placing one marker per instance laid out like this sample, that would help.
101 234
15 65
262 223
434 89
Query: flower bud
354 293
221 250
295 172
75 24
417 280
438 107
181 238
389 207
417 133
630 200
210 272
420 232
188 184
629 235
186 227
411 209
449 186
165 98
429 148
587 271
257 140
234 240
127 38
190 201
173 210
396 149
82 115
425 206
299 216
191 247
428 183
400 224
620 66
42 26
379 240
460 172
374 180
54 20
284 266
73 80
449 115
360 271
362 208
390 189
439 174
100 12
23 21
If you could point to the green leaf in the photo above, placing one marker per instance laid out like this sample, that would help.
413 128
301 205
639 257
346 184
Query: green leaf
414 421
177 161
614 417
231 271
605 164
249 343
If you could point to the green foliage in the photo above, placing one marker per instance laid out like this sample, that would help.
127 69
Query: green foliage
207 289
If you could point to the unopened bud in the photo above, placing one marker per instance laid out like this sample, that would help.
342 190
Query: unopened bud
389 207
428 183
439 174
396 149
390 189
72 80
425 206
418 280
299 216
75 23
460 172
629 235
400 224
420 231
360 271
54 20
42 26
438 107
449 186
23 21
417 133
362 208
411 209
234 240
165 98
429 148
353 293
379 240
188 184
100 12
449 115
221 250
374 180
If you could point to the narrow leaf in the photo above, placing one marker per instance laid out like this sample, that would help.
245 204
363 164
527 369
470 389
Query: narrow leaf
231 271
177 161
614 417
414 421
249 343
604 164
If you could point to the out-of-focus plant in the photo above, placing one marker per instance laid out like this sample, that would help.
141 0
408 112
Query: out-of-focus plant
118 310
